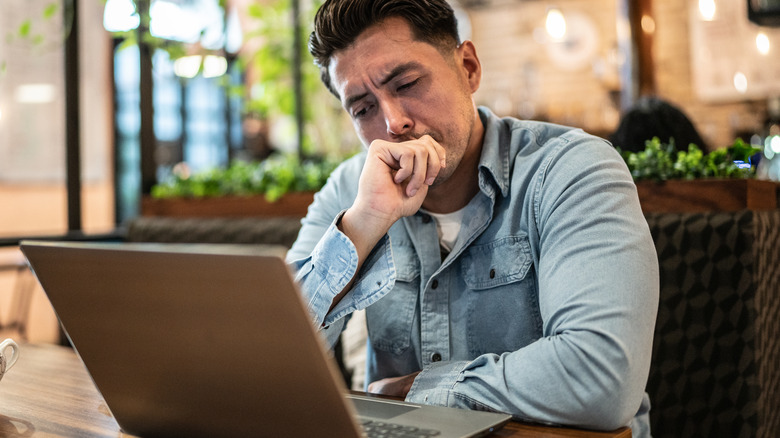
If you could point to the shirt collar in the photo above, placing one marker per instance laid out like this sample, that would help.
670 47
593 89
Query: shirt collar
494 162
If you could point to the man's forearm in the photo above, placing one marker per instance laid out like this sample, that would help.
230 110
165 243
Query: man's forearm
364 235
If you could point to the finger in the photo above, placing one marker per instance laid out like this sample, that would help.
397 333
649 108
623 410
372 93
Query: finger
406 164
435 161
438 149
420 172
386 386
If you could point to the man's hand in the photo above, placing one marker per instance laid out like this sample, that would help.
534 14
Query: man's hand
393 184
396 177
394 386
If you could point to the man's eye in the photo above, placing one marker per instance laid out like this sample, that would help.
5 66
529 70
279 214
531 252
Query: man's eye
360 113
408 85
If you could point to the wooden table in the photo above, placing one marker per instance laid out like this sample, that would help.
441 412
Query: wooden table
48 393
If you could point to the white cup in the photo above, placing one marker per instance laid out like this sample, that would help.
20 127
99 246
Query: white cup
6 362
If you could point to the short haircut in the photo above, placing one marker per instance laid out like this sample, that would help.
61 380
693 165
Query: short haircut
654 117
338 23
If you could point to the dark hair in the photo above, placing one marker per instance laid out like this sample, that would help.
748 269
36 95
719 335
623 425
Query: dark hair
339 22
653 117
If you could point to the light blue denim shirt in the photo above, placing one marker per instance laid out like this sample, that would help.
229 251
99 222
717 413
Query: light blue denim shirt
544 308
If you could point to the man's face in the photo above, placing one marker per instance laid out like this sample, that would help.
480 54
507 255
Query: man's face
396 89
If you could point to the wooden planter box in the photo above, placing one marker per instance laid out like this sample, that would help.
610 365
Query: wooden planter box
708 195
655 196
293 204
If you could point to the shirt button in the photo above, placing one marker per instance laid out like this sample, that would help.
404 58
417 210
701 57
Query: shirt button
492 273
435 284
426 219
435 357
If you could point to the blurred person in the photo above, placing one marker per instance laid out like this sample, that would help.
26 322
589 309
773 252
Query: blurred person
654 117
503 265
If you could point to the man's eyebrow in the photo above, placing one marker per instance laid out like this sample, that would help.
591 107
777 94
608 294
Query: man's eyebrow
352 99
399 70
395 72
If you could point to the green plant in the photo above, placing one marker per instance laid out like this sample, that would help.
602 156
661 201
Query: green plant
272 177
661 161
27 30
271 67
34 30
272 89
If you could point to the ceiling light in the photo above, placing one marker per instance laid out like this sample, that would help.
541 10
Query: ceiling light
214 66
35 93
707 9
740 82
187 66
762 43
555 24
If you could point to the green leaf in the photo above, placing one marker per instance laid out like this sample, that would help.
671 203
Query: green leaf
742 151
273 177
50 10
24 28
660 161
255 10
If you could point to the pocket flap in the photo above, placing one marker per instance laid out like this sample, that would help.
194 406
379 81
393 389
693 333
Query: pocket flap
500 262
405 261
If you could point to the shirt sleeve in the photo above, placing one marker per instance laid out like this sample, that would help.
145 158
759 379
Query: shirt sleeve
324 260
598 282
332 265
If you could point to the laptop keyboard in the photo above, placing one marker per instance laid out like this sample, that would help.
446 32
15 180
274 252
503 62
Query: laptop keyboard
380 429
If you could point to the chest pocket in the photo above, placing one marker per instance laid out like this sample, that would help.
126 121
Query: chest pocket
390 319
497 263
502 296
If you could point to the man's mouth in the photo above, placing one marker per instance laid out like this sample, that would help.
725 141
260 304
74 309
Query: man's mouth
415 136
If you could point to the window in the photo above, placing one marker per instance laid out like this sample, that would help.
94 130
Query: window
33 120
195 120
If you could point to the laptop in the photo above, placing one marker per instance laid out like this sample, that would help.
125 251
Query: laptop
213 340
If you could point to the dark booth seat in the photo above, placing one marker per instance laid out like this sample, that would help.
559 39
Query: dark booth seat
716 357
266 230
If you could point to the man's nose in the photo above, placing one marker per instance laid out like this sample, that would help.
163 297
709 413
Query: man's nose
397 119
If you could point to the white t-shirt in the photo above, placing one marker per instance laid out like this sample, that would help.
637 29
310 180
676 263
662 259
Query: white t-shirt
448 225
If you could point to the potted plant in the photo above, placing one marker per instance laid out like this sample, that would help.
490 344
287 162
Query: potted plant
281 185
668 180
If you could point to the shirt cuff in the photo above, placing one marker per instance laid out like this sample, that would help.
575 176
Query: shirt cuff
331 267
435 385
327 271
375 279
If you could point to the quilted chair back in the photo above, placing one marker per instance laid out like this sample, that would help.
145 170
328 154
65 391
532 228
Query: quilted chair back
716 355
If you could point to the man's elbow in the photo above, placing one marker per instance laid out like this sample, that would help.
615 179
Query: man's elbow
610 409
615 415
616 388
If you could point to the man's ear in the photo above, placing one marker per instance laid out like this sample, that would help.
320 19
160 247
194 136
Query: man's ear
471 64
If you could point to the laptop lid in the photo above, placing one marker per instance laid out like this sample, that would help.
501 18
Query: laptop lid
205 340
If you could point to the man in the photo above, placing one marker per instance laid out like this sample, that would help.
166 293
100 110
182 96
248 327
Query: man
504 265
